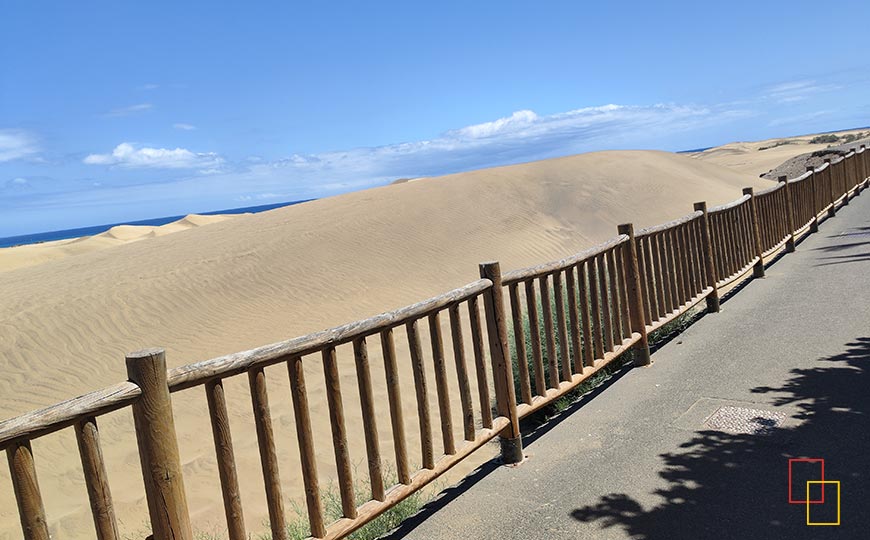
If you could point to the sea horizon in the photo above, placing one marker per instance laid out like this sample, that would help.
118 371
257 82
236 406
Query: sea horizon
66 234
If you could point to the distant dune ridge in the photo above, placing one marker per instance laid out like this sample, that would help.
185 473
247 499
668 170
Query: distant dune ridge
34 254
73 308
762 157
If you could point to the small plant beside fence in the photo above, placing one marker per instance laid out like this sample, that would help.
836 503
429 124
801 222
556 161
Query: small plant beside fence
557 324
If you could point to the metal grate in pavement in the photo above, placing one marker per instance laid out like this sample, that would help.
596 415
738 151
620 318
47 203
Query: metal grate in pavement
745 420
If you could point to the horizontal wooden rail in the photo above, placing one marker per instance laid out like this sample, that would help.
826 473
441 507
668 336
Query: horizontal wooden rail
199 373
771 189
421 479
564 387
523 274
800 178
728 206
50 419
669 225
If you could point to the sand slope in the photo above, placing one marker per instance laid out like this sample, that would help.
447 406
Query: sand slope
66 323
33 254
759 157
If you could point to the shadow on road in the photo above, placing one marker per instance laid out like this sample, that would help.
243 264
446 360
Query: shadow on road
862 255
726 486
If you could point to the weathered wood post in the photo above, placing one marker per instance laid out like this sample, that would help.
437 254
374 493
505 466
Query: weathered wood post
814 224
158 447
829 174
855 172
860 167
755 226
863 167
635 299
842 173
96 481
707 255
502 370
223 445
269 456
845 165
26 488
789 244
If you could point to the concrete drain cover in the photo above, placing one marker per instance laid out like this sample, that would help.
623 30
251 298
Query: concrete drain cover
745 420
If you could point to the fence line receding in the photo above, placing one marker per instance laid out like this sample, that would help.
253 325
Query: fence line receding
534 334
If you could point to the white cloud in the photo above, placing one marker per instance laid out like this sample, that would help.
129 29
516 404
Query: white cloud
205 181
16 144
16 186
517 120
800 118
128 156
796 91
150 86
522 136
184 127
127 111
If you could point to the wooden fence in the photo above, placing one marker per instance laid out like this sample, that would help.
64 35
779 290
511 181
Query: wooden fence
556 324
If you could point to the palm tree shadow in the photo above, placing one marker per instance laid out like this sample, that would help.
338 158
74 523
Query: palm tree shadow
727 486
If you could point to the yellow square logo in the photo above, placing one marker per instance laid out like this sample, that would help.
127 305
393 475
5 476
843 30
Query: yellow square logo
809 505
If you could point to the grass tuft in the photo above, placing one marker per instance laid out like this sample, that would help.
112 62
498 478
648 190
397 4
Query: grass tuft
298 527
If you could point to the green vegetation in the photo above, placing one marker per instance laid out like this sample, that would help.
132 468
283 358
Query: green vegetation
830 138
778 143
527 336
589 384
824 139
298 527
676 326
297 523
657 337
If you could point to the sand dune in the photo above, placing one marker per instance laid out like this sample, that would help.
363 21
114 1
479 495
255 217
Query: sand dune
34 254
68 320
758 157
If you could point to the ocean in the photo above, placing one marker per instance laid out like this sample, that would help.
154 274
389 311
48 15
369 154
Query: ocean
51 236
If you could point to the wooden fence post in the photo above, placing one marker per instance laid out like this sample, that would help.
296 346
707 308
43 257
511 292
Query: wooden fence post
845 165
863 167
814 224
707 255
758 267
852 171
856 172
223 445
842 166
635 299
96 481
829 175
502 369
861 170
158 447
26 488
789 244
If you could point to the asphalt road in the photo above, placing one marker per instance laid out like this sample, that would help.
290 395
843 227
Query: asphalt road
789 356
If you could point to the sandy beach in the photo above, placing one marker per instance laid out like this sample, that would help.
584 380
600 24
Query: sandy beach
210 285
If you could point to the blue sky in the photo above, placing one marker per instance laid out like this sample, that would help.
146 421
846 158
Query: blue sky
118 111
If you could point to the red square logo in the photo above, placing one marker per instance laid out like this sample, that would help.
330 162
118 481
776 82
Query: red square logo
805 469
